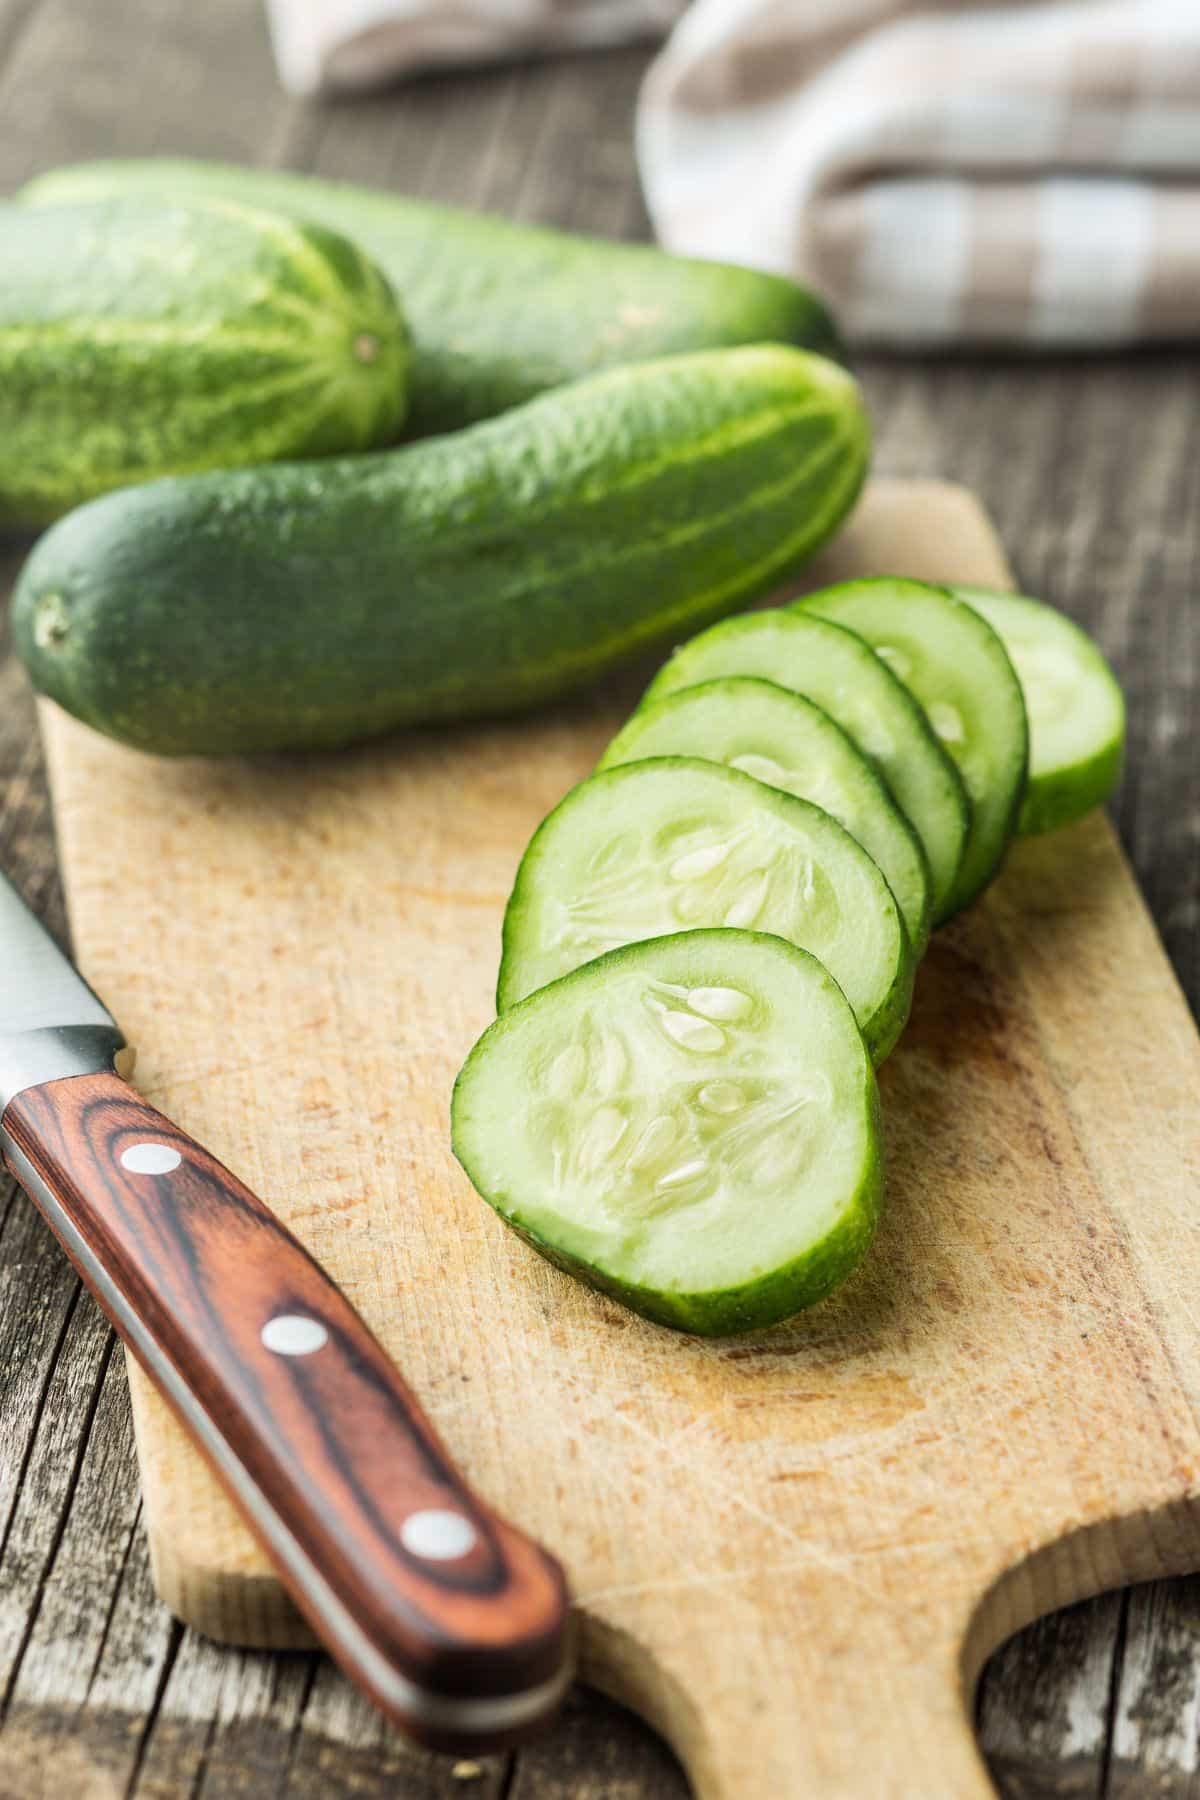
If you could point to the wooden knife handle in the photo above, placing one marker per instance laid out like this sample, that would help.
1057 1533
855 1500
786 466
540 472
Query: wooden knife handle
453 1621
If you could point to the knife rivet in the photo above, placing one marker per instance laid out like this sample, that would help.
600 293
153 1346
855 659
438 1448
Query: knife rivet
291 1334
150 1159
437 1535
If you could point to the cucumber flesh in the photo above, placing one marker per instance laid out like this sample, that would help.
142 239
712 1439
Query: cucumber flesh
956 666
841 674
671 843
788 742
1075 706
690 1124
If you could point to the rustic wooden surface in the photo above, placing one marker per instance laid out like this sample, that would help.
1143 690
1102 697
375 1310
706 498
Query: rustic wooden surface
752 1531
338 1448
1040 1338
1091 467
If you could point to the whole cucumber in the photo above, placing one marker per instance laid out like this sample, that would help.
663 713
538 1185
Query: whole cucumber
141 338
294 604
500 311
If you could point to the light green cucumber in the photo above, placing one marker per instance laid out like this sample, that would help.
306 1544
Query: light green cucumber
788 742
956 666
690 1124
675 843
500 311
300 604
841 673
1075 706
140 338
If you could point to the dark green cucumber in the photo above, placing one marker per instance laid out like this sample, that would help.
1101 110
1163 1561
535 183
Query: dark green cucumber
690 1124
314 604
500 311
141 338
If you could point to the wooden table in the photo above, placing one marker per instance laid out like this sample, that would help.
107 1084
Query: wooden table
1092 468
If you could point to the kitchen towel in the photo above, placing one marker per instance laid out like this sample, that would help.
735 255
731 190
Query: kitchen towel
1025 172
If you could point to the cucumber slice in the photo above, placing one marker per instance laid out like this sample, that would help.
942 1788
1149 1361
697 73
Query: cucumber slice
1075 705
788 742
658 846
690 1124
838 671
958 669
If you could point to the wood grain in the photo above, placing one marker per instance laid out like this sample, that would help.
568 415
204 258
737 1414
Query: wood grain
1090 466
832 1523
337 1452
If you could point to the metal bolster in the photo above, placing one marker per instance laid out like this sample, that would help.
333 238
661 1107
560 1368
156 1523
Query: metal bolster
32 1058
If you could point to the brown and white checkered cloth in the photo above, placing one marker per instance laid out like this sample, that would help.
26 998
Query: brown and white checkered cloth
1022 172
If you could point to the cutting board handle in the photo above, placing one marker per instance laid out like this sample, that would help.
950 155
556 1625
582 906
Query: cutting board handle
453 1622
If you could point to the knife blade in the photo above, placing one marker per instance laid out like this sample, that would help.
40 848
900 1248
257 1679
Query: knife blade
451 1620
48 1013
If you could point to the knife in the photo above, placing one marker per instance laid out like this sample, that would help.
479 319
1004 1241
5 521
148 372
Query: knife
452 1621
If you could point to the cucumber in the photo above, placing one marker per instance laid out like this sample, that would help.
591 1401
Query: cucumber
311 605
671 843
956 666
690 1124
788 742
141 338
847 680
1075 706
500 311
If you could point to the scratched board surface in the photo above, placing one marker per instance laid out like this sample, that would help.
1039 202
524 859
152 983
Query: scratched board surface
792 1551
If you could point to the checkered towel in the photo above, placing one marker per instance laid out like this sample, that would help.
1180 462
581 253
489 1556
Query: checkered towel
1025 171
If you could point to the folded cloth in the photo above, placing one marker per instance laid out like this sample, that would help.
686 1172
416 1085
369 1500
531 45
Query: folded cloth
1026 171
1021 172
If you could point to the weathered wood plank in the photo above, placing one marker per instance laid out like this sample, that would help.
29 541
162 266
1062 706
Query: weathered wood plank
1155 1746
37 1298
15 16
1044 1708
49 1480
71 1634
123 80
597 1751
1093 472
442 136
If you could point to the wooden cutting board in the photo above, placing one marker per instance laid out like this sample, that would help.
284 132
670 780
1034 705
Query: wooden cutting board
791 1552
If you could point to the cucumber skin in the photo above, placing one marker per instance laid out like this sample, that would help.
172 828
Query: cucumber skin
1052 806
970 883
303 605
753 1306
500 311
139 338
757 1305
